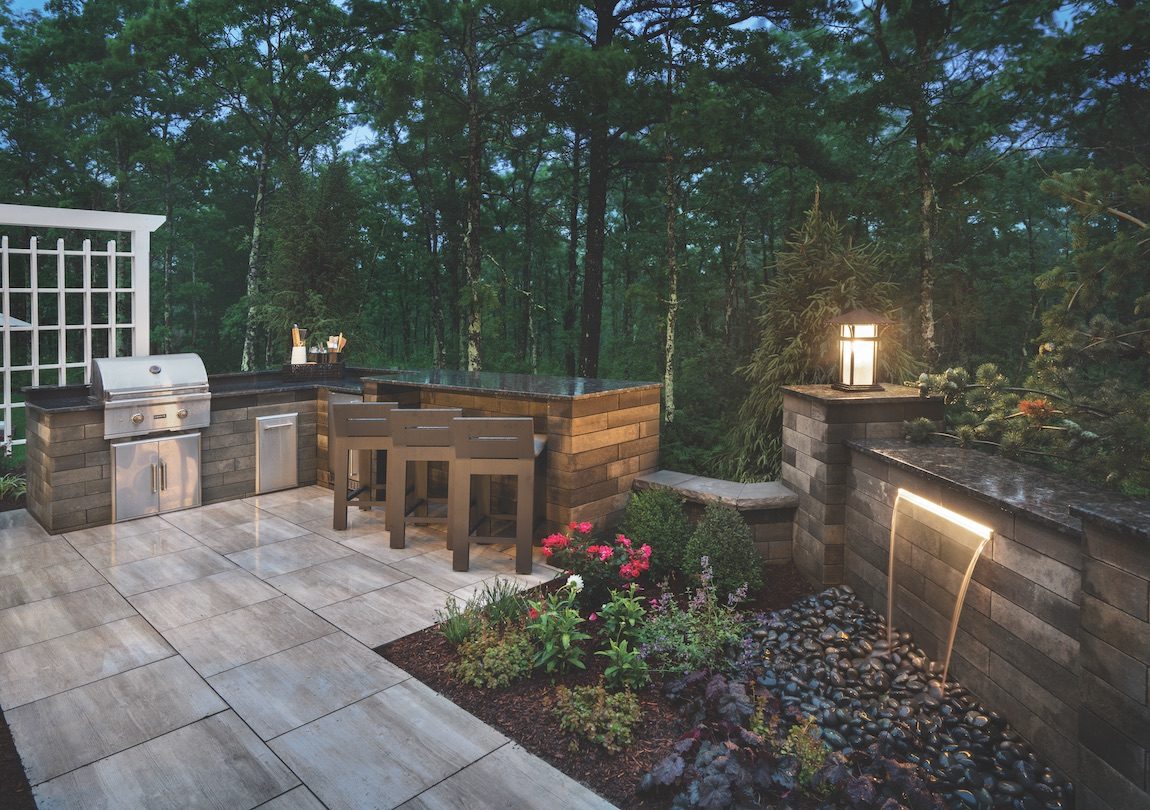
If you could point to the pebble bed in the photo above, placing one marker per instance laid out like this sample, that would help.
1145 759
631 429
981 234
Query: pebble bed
828 655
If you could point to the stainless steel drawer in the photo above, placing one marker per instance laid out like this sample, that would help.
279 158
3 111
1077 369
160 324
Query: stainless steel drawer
276 464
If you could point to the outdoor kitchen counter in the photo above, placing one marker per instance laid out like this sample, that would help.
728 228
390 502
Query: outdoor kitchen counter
601 434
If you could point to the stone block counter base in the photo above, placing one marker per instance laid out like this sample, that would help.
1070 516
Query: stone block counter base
768 507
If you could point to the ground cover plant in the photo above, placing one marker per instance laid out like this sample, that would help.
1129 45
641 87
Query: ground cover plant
658 698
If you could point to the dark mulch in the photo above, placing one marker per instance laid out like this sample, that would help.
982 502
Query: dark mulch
523 711
15 794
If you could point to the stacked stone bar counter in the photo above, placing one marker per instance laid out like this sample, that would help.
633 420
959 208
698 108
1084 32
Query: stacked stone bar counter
601 435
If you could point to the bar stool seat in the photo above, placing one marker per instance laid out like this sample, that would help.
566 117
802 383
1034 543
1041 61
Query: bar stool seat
419 436
363 427
484 447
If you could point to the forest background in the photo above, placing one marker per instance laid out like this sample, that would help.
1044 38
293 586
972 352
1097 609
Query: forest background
646 189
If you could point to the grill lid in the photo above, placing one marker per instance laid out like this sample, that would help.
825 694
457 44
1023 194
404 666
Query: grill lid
148 375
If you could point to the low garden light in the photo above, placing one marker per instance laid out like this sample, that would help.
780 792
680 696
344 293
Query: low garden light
858 350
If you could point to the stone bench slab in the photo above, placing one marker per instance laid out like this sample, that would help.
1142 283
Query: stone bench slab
700 489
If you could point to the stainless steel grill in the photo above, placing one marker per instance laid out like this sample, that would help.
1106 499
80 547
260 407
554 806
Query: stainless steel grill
152 393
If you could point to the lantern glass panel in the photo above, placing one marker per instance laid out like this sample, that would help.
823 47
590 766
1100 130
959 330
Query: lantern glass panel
858 345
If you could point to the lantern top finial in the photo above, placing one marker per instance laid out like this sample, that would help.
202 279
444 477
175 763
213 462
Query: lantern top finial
861 316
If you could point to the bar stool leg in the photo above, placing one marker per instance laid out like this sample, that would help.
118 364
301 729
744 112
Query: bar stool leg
339 484
366 478
524 503
396 504
459 519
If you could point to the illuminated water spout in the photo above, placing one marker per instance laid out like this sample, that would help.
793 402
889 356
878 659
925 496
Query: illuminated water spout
983 533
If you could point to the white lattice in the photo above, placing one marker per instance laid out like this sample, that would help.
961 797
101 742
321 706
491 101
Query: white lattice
61 306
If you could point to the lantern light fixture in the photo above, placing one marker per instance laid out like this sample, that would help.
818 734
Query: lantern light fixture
858 350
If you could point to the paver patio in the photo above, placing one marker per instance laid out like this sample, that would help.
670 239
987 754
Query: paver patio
219 658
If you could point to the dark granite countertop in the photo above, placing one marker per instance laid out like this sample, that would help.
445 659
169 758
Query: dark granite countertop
516 385
824 393
1053 500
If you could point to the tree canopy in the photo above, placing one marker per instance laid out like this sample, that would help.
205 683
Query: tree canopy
610 187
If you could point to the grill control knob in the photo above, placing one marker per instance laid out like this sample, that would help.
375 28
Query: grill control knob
137 418
182 413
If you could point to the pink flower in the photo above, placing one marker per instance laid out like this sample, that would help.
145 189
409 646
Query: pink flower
572 525
547 552
605 553
593 617
584 527
654 603
532 613
645 550
623 541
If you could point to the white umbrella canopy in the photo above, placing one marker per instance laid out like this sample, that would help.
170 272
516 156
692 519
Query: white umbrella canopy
7 320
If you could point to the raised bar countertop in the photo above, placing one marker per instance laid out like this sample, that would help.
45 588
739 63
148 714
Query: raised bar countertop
533 386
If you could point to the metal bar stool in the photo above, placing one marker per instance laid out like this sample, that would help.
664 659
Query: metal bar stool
364 427
419 436
484 447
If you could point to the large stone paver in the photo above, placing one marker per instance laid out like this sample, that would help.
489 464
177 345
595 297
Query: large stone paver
387 748
214 763
174 678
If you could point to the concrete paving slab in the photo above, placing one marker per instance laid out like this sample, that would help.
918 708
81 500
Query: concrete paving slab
53 551
263 530
44 583
216 762
198 599
116 531
376 545
386 748
387 614
61 615
20 536
50 667
507 777
66 731
137 547
336 580
288 555
299 798
240 636
167 569
284 691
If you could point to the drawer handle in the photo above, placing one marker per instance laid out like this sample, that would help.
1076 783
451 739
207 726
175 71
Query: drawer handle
280 425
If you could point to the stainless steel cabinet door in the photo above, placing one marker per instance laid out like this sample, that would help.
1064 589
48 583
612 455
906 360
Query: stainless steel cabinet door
276 452
179 471
136 482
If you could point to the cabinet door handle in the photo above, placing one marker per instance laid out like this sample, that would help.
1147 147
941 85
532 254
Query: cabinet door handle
153 477
163 475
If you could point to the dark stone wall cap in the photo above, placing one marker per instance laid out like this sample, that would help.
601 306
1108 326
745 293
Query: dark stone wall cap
520 385
1040 495
1131 518
698 488
824 393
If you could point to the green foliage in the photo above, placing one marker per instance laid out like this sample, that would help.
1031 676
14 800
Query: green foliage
554 625
656 517
819 275
494 658
626 668
723 538
456 623
501 603
805 745
13 486
597 716
698 636
622 615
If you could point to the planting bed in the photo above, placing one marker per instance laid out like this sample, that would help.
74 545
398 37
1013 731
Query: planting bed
822 712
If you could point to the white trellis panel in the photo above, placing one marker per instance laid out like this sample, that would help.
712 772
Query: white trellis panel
61 306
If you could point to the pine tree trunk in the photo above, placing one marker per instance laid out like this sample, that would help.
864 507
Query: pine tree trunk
247 358
919 110
471 250
672 256
598 166
572 259
166 295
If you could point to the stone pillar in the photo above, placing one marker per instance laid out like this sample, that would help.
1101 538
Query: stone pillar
817 423
1114 717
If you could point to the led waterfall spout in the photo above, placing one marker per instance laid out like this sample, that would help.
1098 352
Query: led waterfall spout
983 534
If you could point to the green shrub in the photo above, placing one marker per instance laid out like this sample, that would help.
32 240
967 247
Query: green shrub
501 603
656 517
724 538
492 658
554 624
456 623
626 668
598 716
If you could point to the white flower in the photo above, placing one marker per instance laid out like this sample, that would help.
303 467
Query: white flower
575 582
